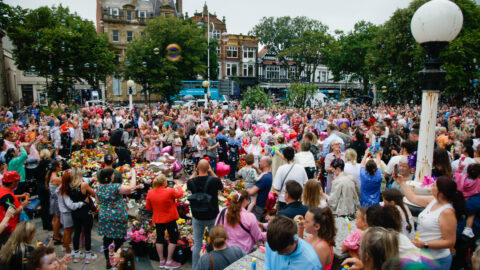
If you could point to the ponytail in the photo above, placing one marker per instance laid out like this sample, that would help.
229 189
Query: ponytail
236 201
396 196
448 188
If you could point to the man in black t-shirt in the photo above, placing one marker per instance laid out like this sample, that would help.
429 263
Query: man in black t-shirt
207 219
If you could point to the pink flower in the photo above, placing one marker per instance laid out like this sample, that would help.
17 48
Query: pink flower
427 181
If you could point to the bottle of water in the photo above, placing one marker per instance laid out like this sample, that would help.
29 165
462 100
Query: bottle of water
254 264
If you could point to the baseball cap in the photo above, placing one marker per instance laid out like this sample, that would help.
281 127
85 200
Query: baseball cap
10 177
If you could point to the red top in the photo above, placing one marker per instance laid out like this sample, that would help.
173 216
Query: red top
4 198
162 201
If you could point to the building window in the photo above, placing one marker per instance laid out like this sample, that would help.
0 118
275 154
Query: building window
142 33
114 35
292 72
129 36
117 86
129 15
273 72
215 34
232 52
248 70
324 76
142 14
232 69
219 70
218 51
249 53
114 12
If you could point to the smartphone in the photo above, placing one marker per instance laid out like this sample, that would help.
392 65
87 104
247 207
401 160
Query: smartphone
47 241
395 170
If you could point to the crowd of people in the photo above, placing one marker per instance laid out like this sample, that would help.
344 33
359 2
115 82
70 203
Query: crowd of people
302 169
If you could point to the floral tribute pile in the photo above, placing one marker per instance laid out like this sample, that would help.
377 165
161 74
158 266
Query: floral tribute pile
141 233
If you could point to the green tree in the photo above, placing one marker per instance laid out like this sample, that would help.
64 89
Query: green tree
397 57
280 33
309 51
147 62
299 94
60 46
255 97
348 54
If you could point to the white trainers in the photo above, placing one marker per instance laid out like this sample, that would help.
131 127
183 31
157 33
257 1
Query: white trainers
90 257
77 256
468 232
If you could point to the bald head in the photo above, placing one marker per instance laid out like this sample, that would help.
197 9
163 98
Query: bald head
203 166
265 163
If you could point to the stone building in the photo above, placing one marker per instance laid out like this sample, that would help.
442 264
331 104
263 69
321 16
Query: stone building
237 53
122 21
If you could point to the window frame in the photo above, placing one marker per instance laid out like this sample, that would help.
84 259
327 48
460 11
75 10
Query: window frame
233 51
113 35
131 38
247 51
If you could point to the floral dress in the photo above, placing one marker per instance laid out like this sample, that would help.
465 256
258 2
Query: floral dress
112 213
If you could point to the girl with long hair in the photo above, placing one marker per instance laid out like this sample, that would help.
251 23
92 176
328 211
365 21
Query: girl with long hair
79 191
241 225
16 251
66 207
441 163
52 182
122 259
394 197
319 222
313 195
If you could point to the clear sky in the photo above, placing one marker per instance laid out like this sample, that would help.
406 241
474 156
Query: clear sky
242 15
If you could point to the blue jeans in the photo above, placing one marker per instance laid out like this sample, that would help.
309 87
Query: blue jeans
198 232
444 263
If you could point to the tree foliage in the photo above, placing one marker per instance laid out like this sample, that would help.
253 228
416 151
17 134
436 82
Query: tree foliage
280 33
309 51
397 57
255 97
299 94
348 54
60 46
155 71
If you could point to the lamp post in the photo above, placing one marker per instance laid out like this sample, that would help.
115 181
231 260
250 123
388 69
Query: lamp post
130 85
434 25
206 85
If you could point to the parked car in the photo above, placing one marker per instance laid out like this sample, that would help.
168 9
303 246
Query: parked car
96 103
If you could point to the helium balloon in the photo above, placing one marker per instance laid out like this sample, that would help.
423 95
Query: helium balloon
177 166
156 51
173 52
166 149
222 169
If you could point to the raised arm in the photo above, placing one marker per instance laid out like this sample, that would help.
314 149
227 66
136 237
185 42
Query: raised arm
129 189
419 200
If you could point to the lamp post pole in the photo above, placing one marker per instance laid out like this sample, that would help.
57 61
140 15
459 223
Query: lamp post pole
206 86
434 25
130 85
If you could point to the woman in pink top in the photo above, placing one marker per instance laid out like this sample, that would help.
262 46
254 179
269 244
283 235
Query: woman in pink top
241 226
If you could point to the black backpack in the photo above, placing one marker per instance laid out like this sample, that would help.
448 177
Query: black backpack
200 201
116 137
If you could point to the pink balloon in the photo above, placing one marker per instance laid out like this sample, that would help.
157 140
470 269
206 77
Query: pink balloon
222 169
177 166
166 149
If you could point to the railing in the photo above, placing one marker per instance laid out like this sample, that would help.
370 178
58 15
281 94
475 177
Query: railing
122 19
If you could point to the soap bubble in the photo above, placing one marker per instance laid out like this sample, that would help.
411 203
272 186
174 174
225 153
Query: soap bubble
173 52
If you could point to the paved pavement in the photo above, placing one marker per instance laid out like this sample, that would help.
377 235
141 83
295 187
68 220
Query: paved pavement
143 263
